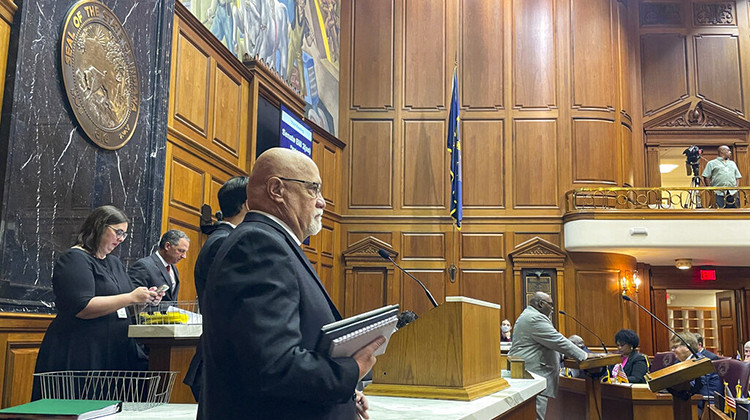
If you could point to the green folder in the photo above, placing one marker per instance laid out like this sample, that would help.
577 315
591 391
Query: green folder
62 409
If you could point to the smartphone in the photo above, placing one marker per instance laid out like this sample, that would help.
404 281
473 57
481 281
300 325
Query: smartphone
162 288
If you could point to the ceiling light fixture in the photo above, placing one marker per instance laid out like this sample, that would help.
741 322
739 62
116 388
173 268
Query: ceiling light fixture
683 263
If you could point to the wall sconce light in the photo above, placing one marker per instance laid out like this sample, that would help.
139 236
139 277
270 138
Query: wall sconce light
630 283
683 263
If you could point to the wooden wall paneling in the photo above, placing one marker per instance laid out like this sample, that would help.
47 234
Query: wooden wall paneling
369 290
644 324
718 70
425 164
7 10
190 84
595 155
481 246
413 297
189 182
664 71
483 168
592 55
190 224
534 32
423 246
353 236
371 164
425 79
653 176
20 361
522 236
594 291
628 162
372 54
330 173
20 338
625 84
229 134
482 49
487 285
535 167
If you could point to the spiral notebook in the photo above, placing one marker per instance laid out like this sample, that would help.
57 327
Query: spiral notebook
343 338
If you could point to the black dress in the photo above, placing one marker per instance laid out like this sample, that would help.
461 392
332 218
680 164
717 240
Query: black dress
101 343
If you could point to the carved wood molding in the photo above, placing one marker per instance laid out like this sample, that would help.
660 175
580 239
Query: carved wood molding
714 14
366 250
697 115
7 10
537 252
658 14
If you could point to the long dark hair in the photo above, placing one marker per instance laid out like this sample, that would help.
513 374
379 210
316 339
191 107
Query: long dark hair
93 227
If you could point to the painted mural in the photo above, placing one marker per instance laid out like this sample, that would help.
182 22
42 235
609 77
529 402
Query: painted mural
298 38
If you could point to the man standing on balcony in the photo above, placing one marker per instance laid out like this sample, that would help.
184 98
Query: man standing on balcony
722 172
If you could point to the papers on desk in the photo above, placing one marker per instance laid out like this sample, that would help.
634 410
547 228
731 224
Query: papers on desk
343 338
62 409
192 317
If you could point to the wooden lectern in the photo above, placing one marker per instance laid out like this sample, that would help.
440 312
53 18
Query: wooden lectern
451 352
678 377
593 387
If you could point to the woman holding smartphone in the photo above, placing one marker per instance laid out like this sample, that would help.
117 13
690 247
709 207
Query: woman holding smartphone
93 291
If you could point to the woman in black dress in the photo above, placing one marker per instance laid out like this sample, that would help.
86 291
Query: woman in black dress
92 291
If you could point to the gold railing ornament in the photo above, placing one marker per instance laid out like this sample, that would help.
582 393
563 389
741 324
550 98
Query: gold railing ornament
675 198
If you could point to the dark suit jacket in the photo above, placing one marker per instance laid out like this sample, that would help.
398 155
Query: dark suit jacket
636 367
708 354
150 271
194 376
207 254
263 309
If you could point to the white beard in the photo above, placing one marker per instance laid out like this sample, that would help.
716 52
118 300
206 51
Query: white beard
315 226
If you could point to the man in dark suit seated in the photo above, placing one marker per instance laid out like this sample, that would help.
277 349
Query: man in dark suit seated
264 306
232 201
702 350
159 269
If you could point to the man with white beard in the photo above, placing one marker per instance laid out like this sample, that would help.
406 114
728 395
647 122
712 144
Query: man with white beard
264 306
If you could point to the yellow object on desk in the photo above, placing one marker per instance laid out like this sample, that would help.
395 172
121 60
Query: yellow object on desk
160 318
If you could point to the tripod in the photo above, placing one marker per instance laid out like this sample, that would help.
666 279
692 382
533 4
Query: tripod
694 199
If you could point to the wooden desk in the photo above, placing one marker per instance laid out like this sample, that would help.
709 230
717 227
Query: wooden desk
637 402
618 402
592 365
170 348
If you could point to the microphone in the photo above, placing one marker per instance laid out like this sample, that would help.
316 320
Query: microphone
385 255
625 297
587 329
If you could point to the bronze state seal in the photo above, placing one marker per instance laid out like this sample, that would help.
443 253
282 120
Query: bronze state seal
100 75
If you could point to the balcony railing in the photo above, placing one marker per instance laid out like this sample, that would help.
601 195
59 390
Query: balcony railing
682 198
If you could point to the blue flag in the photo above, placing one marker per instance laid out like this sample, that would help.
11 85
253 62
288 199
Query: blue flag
454 148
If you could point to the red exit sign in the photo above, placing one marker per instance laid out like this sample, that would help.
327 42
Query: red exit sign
708 275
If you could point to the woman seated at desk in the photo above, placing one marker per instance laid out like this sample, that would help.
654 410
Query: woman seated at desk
634 366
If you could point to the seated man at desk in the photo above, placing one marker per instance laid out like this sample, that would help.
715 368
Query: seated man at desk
706 384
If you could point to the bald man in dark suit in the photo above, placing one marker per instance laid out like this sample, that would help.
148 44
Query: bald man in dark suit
265 305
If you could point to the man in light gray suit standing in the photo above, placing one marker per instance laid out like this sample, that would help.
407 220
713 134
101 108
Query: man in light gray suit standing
538 342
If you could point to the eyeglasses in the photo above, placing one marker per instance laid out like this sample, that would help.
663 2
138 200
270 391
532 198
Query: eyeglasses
119 233
313 187
548 302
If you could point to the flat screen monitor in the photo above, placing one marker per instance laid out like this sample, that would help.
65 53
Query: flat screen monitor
294 133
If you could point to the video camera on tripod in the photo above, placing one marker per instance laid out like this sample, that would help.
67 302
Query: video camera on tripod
692 162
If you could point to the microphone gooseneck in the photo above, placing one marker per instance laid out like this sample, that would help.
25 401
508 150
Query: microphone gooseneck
587 329
627 298
385 256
